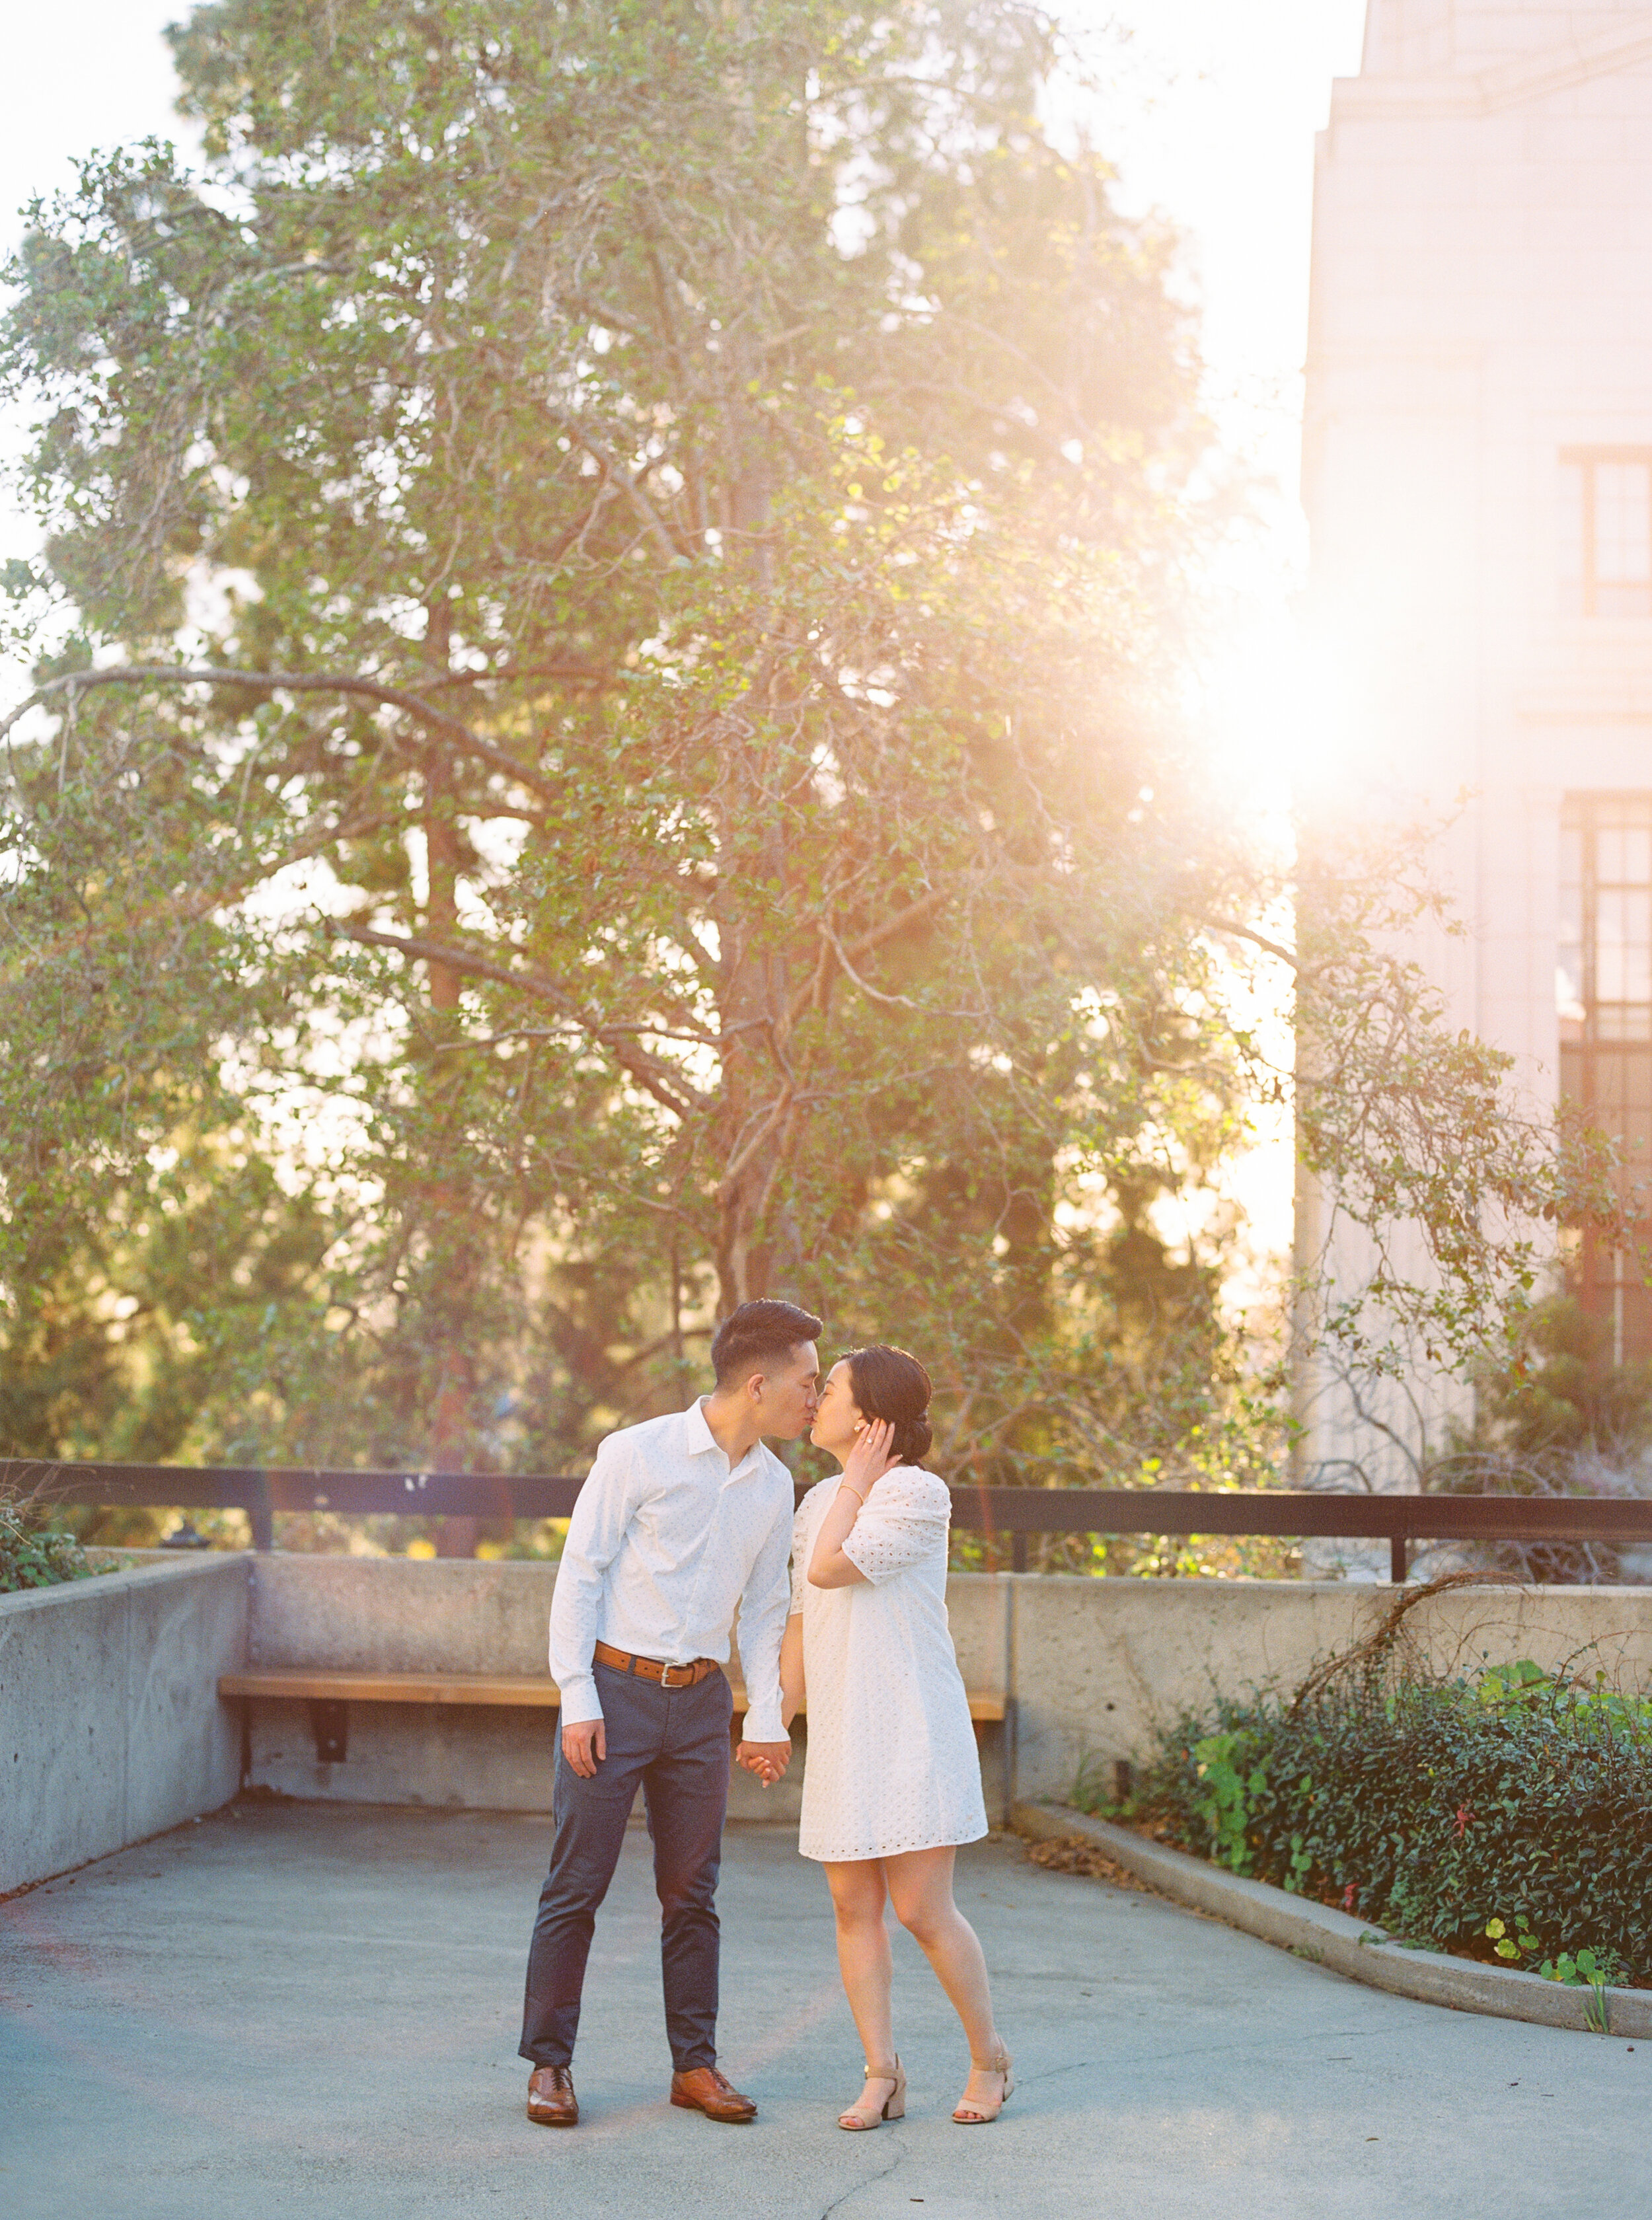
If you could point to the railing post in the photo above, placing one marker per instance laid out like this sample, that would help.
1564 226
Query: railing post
1397 1560
260 1516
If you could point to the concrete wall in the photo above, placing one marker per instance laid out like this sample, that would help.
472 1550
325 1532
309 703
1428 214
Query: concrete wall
399 1615
110 1724
110 1727
391 1615
1100 1666
1096 1666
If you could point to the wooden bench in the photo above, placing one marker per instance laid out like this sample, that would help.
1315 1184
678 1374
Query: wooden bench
329 1693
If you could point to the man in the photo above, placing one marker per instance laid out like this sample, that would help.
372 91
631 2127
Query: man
681 1518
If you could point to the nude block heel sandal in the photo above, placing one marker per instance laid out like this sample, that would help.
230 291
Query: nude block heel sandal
858 2122
981 2112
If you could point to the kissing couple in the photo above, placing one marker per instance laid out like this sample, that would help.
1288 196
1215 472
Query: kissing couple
684 1520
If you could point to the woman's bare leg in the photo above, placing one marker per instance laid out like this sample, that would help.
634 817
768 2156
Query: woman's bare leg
858 1896
920 1888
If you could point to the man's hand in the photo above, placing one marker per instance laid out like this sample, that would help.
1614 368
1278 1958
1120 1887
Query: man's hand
767 1759
584 1745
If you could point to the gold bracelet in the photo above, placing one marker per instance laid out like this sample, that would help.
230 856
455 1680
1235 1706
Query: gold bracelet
855 1492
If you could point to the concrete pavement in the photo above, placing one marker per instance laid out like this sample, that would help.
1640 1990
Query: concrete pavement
307 2009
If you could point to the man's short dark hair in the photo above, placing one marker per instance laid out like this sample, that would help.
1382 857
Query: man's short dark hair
759 1334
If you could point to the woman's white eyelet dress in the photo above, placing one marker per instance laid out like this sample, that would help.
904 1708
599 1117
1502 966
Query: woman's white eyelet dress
891 1763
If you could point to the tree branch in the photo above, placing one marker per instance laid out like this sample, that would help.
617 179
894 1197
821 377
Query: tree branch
776 1111
639 500
667 1087
289 682
865 944
1257 939
873 993
879 933
565 674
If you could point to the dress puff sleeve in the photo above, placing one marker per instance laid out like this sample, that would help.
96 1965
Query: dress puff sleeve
902 1522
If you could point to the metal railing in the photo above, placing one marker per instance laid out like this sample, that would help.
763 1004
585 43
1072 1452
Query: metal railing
1015 1512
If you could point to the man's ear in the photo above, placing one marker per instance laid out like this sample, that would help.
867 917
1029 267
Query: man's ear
754 1387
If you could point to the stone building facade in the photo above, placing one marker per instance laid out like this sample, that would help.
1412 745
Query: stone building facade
1478 479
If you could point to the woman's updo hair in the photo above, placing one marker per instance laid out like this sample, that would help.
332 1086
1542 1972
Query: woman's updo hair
889 1384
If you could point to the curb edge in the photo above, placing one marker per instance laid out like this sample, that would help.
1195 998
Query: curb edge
1330 1938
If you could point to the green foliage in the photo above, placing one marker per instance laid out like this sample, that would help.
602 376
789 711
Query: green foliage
1426 1162
737 453
1506 1817
1231 1773
1556 1416
33 1556
608 743
1561 1394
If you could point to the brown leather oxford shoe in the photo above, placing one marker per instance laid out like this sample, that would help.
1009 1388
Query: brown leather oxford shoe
551 2099
703 2089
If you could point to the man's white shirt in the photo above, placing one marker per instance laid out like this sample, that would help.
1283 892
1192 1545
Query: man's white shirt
665 1540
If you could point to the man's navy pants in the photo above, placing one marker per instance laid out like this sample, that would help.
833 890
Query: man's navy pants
674 1742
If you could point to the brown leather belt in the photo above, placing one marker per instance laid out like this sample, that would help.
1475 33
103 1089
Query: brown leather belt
650 1668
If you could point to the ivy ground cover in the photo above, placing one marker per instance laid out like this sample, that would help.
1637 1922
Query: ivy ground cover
1507 1818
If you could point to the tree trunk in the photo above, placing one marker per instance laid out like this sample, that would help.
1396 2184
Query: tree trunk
441 833
450 1416
754 1125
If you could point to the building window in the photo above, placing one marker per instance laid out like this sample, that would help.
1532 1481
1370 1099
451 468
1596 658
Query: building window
1603 989
1605 535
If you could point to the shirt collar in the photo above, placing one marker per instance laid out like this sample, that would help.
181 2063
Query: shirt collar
700 1437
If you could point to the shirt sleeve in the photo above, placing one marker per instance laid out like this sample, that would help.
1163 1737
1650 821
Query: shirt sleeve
902 1522
602 1511
800 1552
764 1608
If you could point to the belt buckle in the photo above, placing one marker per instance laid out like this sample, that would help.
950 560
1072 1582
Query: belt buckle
666 1681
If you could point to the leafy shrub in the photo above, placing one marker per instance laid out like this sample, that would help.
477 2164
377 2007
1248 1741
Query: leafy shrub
1506 1819
32 1557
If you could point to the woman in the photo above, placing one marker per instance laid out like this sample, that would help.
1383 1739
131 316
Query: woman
892 1783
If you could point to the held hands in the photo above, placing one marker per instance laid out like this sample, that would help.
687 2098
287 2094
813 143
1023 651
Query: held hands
584 1745
766 1760
870 1458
